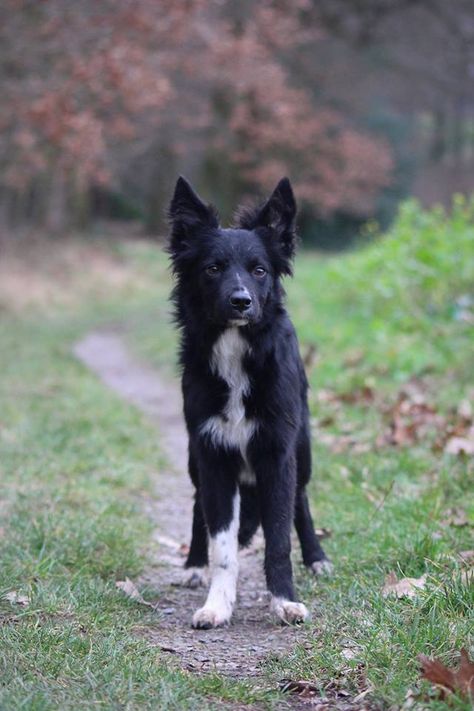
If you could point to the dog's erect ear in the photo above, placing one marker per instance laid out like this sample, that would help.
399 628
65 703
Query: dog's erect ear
278 214
187 211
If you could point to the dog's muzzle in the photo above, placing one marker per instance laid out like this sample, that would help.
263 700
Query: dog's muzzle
240 300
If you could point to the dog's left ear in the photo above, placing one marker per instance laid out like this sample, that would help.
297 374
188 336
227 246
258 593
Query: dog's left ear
278 214
187 214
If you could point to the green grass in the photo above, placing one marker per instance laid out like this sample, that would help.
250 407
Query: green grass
75 464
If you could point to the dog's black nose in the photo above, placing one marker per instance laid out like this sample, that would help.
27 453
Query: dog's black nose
241 300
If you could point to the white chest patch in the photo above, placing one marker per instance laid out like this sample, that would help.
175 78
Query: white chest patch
231 428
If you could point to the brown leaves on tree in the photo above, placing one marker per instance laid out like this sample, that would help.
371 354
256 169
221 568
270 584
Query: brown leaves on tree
448 680
83 81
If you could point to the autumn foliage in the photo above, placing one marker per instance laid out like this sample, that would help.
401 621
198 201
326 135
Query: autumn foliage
88 88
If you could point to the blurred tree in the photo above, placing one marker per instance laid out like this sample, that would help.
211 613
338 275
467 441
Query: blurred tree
419 59
121 95
89 88
75 78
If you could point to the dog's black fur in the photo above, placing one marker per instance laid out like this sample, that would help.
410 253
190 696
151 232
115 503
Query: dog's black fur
231 279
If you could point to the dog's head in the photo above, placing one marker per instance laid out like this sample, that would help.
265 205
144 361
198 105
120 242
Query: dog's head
231 275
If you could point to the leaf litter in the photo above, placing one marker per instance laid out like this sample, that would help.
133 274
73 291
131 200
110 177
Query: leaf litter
405 587
448 680
128 588
409 418
17 598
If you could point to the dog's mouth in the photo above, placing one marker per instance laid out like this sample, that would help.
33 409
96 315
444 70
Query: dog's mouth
238 321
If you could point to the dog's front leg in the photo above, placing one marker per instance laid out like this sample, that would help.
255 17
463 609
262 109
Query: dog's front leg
221 505
276 480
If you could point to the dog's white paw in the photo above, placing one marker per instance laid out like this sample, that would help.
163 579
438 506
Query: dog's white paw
195 578
207 617
322 567
291 613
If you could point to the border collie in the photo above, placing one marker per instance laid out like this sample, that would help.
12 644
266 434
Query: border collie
245 397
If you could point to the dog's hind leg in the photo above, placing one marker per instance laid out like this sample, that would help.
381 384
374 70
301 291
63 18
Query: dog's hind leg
314 556
249 514
197 560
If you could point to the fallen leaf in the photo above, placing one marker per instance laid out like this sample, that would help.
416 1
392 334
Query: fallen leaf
464 410
302 688
466 557
354 358
412 419
310 356
167 541
406 587
457 437
414 391
16 599
362 395
131 591
410 700
459 446
455 516
323 532
449 680
170 650
326 395
325 421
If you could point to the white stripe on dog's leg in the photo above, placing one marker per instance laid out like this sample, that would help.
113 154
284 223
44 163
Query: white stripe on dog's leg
223 553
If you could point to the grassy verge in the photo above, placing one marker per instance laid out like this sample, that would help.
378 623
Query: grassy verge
394 363
395 352
75 465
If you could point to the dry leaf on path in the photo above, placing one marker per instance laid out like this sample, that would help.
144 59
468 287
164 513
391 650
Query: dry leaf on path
449 680
167 541
130 590
406 587
302 688
16 599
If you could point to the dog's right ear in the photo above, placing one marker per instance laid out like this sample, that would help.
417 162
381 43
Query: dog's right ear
187 214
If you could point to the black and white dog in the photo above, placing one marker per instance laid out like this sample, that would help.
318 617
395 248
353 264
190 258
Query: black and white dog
245 400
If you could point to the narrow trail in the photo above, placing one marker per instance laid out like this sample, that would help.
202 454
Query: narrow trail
237 650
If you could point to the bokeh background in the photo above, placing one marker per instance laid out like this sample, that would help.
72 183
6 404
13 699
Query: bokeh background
360 103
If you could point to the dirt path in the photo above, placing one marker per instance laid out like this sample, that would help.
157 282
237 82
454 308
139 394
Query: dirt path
237 650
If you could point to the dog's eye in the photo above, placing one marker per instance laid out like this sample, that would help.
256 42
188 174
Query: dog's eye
259 271
213 269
